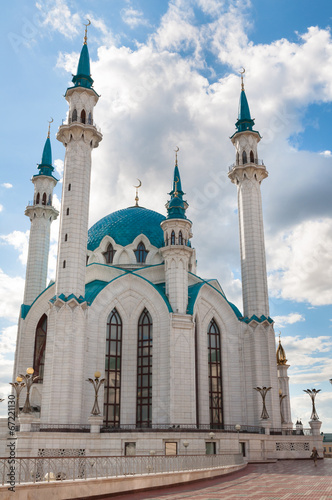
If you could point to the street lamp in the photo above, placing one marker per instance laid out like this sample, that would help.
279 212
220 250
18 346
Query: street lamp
238 428
212 435
96 385
185 444
263 391
28 379
18 386
313 393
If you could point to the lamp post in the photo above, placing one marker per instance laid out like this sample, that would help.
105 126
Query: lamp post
281 398
28 379
238 428
263 391
96 385
185 444
313 393
18 386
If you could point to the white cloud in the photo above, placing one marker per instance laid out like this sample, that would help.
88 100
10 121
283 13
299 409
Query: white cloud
290 319
326 153
11 296
20 241
58 164
300 262
1 207
57 16
7 185
133 17
8 339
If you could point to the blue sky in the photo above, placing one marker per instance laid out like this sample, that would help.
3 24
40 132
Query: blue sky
168 75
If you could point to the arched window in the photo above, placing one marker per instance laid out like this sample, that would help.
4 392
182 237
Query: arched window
244 157
83 116
166 240
252 158
40 345
144 371
64 264
49 200
69 187
74 116
90 119
214 367
38 199
180 238
44 199
113 370
67 211
141 253
237 158
66 237
172 238
109 254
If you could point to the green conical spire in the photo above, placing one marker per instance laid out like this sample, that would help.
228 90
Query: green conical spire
45 167
83 77
244 121
176 206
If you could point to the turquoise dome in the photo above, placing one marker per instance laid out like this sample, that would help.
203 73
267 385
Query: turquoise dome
125 225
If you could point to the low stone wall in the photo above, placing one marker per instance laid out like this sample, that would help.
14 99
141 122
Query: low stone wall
92 487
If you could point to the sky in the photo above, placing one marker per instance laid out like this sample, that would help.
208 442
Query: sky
168 76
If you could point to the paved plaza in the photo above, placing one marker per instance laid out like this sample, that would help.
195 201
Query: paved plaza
286 479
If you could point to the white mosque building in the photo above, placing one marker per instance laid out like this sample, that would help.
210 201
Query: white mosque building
181 363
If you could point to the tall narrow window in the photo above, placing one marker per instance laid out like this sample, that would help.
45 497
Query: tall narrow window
180 238
109 254
166 240
144 371
69 187
49 200
44 199
83 116
252 158
38 199
90 119
74 117
113 370
214 362
40 345
172 238
141 253
237 158
244 157
67 211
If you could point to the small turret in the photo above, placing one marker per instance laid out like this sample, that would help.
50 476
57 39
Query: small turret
281 356
176 206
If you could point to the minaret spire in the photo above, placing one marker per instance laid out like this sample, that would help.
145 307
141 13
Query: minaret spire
86 31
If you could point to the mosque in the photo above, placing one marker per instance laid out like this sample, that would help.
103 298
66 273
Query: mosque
183 368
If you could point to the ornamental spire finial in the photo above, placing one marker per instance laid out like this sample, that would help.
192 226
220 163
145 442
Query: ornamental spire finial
49 128
86 31
176 155
242 73
136 197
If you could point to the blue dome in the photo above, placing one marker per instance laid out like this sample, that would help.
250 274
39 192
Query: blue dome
125 225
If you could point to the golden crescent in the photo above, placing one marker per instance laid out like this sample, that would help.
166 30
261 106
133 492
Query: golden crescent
138 185
177 149
51 120
177 180
243 71
89 22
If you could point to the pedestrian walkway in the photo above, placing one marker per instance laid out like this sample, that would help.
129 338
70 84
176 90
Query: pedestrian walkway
285 479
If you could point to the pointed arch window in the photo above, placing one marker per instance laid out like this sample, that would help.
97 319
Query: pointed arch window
49 200
109 254
44 199
90 119
180 238
244 157
252 158
166 240
112 386
40 346
237 158
173 238
74 116
144 371
83 116
141 253
214 370
38 199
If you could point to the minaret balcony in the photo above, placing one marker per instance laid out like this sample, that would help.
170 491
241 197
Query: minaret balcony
256 162
88 122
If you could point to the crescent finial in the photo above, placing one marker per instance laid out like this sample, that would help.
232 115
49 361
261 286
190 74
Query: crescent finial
49 127
139 185
242 73
86 31
136 197
176 155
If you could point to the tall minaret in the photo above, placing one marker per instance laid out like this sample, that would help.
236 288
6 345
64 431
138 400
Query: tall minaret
79 137
247 173
64 373
41 214
284 396
177 251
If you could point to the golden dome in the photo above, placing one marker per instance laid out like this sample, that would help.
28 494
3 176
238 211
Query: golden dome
281 355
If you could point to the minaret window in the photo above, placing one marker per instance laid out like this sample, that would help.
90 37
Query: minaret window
109 254
44 199
67 211
252 158
49 200
90 119
69 187
173 238
66 237
244 157
64 264
83 116
40 345
144 371
113 370
166 240
180 238
141 253
237 158
214 370
37 199
74 117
